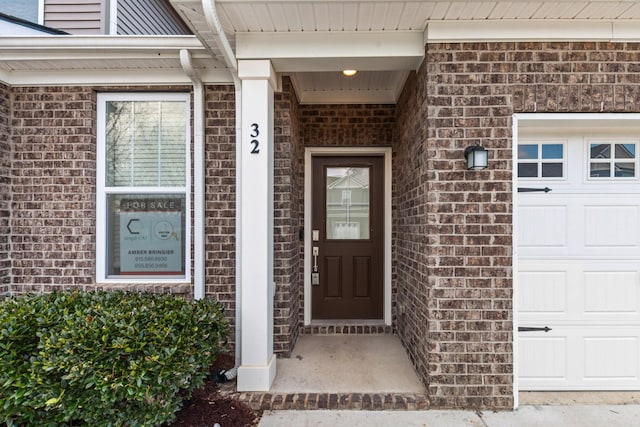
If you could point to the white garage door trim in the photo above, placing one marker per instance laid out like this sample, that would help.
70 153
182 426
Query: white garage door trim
551 124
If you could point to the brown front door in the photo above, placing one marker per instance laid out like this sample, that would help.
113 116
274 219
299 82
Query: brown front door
347 236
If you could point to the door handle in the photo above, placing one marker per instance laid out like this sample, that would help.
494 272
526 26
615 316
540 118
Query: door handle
315 275
316 252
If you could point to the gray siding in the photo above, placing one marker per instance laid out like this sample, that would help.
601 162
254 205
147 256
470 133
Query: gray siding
77 16
154 17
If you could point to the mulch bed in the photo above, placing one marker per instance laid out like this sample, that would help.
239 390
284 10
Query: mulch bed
208 406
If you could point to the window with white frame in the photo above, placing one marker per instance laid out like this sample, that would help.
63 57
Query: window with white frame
143 186
612 159
541 159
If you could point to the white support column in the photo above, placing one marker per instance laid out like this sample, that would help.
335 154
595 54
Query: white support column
258 365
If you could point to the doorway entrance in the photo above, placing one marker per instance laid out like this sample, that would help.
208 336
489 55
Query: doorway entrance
347 238
348 228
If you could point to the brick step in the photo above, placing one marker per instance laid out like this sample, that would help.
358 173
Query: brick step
261 401
352 329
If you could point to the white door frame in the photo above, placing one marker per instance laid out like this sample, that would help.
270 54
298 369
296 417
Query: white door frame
347 151
548 120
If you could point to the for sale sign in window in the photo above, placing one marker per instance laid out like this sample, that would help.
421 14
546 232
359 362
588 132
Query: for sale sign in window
151 236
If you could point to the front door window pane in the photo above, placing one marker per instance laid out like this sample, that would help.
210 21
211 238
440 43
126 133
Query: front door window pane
347 203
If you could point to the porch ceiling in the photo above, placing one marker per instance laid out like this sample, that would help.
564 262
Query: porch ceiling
313 40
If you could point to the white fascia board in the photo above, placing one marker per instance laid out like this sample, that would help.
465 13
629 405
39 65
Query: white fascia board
344 44
111 77
532 30
516 31
84 55
626 31
99 43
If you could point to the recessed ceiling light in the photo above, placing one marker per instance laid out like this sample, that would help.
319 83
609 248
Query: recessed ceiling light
349 73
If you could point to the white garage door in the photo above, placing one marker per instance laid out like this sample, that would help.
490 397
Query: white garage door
579 263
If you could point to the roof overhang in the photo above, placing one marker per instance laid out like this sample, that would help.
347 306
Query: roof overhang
311 41
104 60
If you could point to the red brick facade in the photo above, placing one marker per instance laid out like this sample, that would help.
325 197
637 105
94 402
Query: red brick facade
451 245
287 218
454 244
53 183
5 190
220 199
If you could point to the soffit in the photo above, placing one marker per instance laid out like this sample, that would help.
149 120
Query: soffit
313 40
240 16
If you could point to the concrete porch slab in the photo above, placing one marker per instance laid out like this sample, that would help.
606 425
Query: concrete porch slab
347 364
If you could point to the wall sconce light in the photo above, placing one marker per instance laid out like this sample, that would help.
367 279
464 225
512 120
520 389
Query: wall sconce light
477 157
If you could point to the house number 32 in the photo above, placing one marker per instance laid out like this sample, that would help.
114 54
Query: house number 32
255 144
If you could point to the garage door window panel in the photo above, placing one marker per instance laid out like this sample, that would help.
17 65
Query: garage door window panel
541 160
612 160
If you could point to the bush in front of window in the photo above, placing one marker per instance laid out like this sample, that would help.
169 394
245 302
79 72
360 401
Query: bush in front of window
104 358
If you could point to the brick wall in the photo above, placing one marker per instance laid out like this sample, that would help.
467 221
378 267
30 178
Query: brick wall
463 337
220 199
287 221
347 125
53 186
469 228
410 203
5 190
53 210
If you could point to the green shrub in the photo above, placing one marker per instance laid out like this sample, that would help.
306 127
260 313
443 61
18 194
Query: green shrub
103 358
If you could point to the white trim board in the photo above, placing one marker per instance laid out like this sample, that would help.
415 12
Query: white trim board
531 30
347 151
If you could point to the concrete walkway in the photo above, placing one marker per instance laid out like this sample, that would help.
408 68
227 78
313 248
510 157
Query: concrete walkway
526 416
355 364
